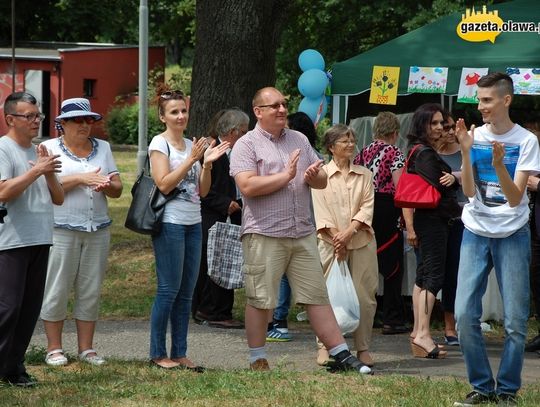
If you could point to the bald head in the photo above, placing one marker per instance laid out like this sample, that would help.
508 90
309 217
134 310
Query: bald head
263 94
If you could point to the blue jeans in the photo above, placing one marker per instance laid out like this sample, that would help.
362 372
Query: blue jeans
177 249
284 300
510 256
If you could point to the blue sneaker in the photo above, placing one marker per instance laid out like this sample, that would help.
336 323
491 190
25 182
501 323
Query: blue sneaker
451 340
278 335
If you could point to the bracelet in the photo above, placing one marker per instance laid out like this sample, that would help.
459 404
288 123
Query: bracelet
207 167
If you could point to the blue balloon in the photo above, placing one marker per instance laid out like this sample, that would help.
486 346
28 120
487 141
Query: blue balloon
310 106
312 83
310 59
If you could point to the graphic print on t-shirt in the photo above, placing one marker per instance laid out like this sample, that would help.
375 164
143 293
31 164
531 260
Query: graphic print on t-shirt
485 177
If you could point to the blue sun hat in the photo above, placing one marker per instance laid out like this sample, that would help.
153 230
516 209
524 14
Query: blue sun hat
76 107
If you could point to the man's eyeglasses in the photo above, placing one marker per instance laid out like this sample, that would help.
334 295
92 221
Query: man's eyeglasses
447 127
81 119
171 94
30 117
275 106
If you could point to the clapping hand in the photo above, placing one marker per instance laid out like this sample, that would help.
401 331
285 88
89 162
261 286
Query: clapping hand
465 138
312 171
498 153
46 164
293 162
198 148
213 152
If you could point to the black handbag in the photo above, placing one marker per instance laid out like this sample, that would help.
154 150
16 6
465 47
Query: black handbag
147 204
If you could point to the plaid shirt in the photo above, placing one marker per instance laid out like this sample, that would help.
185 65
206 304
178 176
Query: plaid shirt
286 212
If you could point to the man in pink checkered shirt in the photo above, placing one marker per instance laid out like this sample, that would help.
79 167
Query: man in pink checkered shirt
274 168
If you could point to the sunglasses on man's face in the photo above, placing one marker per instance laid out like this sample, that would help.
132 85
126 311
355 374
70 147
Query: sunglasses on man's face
82 119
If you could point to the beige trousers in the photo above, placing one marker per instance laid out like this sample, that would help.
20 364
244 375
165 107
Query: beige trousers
365 275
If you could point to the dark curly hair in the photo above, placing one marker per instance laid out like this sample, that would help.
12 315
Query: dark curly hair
421 123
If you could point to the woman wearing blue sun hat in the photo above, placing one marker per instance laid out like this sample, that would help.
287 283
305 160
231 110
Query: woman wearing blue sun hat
81 237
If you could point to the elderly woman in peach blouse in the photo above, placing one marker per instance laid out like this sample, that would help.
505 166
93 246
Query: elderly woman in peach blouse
343 215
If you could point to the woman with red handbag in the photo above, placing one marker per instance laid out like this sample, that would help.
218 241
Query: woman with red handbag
430 226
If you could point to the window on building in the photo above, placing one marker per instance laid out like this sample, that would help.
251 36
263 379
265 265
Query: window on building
89 87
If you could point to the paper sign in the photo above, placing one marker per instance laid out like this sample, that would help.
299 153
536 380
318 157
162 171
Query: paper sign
526 80
467 84
384 85
423 79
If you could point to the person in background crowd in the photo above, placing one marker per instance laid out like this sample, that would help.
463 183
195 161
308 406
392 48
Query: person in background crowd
431 227
81 238
343 217
532 185
274 167
450 151
278 327
175 163
386 162
28 189
212 305
498 159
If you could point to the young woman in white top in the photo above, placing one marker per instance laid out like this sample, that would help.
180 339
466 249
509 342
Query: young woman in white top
175 163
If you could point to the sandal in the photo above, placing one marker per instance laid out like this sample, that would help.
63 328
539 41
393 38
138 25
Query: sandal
186 364
59 360
85 356
421 352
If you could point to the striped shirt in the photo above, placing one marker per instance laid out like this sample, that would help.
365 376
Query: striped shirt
286 212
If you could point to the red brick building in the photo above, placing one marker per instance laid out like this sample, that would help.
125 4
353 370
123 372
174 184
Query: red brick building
56 71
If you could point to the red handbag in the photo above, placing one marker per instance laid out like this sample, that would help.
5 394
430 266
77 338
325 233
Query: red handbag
413 191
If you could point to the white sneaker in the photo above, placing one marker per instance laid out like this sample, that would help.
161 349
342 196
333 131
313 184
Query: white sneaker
58 360
91 359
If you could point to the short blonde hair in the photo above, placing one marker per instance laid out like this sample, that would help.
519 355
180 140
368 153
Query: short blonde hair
386 124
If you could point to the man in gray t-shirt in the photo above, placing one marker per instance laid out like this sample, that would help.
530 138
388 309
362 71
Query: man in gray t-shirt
28 188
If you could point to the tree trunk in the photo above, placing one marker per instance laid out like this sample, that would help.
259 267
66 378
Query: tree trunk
235 55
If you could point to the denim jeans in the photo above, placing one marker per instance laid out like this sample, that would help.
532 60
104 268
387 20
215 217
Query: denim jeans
284 300
177 249
510 257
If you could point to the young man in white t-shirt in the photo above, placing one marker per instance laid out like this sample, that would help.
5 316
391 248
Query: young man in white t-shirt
497 161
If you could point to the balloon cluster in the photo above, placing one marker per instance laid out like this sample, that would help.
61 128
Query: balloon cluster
312 84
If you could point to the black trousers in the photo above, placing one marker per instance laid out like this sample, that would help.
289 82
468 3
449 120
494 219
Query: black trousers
452 265
389 256
22 281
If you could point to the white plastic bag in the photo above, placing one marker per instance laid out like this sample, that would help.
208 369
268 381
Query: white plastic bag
343 296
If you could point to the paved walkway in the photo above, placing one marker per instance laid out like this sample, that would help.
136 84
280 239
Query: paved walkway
227 349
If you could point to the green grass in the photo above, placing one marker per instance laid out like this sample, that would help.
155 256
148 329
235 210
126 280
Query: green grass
128 293
130 383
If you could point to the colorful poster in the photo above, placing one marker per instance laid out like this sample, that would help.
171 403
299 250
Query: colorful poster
384 85
468 84
526 80
423 79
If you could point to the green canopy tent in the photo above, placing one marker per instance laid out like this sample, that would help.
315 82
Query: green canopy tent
438 45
